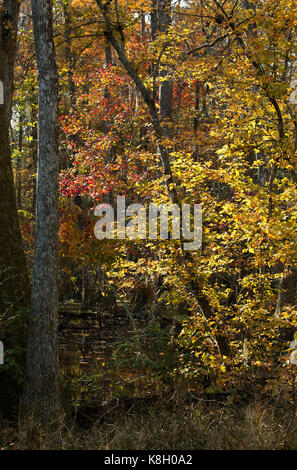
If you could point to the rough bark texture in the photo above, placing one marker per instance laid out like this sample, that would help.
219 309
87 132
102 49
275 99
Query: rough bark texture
13 271
14 281
42 368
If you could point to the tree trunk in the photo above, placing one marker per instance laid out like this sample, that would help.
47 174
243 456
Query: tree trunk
13 270
34 152
42 369
166 85
160 24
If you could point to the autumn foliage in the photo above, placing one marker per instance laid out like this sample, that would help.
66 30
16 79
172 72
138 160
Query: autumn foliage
231 140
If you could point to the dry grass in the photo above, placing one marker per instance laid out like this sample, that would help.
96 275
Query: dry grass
184 426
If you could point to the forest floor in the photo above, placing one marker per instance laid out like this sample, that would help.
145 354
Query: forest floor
180 426
114 401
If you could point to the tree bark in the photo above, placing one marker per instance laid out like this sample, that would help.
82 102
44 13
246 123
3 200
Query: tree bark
42 399
166 85
13 270
160 24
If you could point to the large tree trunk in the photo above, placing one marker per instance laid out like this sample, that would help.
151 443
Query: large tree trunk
13 272
42 368
14 280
